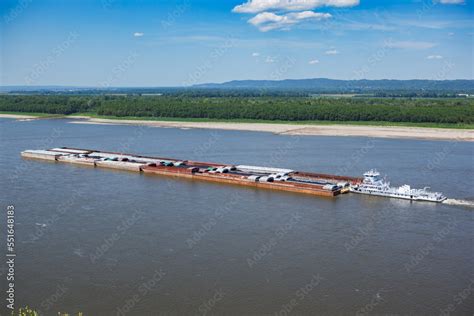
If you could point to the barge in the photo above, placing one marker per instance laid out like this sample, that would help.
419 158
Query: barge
318 184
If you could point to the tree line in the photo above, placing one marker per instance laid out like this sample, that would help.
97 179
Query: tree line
455 110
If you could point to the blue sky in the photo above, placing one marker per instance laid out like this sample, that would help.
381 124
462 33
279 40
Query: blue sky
183 42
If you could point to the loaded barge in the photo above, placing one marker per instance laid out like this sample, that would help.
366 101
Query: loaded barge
253 176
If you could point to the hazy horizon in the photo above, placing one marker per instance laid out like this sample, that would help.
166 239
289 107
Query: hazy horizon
210 83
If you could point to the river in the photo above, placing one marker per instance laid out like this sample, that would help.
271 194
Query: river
108 242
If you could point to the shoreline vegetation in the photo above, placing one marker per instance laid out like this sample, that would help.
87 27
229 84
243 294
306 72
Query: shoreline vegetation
427 118
305 128
122 120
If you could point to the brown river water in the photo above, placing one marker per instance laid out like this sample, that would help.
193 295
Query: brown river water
108 242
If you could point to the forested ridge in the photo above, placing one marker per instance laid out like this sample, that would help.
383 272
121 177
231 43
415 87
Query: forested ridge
456 110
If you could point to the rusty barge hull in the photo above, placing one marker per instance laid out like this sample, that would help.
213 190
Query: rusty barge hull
244 182
318 184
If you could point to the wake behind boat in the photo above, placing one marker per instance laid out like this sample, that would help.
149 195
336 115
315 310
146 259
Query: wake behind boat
374 184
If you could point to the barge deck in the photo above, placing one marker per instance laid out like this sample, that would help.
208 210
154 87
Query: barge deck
318 184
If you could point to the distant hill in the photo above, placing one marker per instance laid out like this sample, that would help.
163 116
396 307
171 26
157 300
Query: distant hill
322 84
288 87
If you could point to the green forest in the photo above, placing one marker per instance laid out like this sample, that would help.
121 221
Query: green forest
410 110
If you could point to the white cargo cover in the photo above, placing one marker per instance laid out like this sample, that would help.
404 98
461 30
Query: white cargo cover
70 151
262 169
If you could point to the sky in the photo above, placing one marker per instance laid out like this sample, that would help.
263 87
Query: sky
118 43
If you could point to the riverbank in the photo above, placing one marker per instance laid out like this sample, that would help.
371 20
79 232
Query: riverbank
308 130
28 115
17 116
323 129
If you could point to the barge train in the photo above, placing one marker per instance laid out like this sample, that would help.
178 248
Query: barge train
253 176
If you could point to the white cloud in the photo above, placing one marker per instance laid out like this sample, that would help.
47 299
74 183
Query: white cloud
255 54
451 1
410 45
332 52
269 60
267 21
138 34
434 57
256 6
313 62
265 17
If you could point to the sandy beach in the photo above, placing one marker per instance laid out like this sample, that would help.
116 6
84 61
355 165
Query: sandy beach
307 130
288 129
18 116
